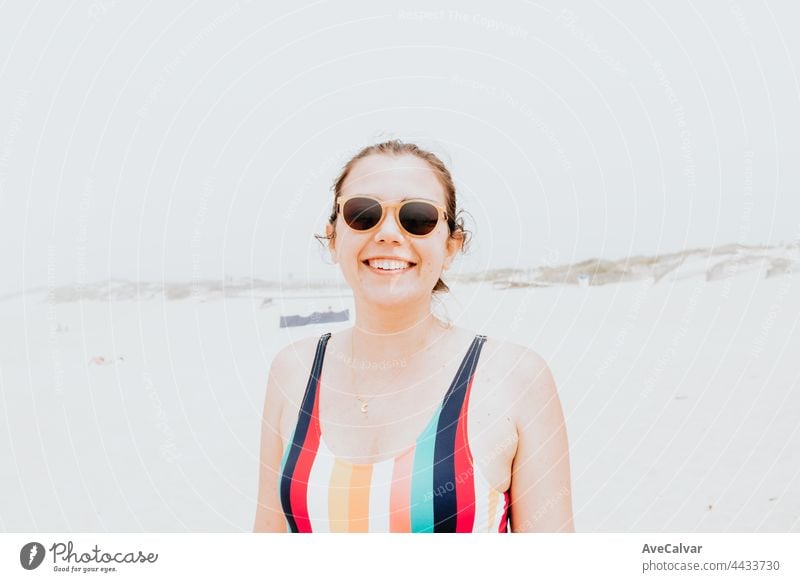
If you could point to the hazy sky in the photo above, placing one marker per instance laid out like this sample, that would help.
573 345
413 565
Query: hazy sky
196 140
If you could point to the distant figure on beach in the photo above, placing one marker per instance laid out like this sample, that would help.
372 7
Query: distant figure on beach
104 361
404 422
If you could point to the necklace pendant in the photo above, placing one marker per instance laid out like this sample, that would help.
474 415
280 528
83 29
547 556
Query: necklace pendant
364 407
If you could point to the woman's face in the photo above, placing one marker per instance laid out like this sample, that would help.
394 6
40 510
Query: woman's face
393 178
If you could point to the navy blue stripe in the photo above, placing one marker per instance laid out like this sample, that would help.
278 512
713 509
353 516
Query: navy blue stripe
300 431
445 504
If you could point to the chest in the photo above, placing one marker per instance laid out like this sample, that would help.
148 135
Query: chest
381 416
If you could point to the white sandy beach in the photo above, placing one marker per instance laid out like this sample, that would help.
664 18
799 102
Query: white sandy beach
137 407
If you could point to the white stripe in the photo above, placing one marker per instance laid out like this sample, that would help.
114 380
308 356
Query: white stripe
481 504
380 489
318 486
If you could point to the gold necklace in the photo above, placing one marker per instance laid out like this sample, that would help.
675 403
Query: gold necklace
364 403
364 408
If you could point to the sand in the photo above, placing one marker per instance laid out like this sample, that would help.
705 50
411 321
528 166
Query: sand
136 406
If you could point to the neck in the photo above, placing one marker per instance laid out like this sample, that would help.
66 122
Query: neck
386 334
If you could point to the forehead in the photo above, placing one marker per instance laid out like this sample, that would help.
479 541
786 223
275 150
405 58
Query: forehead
394 177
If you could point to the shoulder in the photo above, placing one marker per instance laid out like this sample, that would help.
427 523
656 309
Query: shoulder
291 366
518 363
293 354
524 375
297 352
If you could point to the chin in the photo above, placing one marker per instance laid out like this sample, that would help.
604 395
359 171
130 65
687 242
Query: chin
388 296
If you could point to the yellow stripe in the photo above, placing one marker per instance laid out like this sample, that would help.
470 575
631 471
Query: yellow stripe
359 498
338 496
490 524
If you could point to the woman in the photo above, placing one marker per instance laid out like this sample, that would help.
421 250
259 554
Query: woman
404 422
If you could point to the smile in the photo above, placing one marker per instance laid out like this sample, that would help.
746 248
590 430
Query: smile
388 266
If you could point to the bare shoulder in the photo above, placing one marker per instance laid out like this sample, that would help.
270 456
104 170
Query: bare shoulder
516 363
521 375
295 354
289 368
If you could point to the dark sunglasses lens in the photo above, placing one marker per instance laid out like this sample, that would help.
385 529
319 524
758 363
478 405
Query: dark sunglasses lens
419 218
361 213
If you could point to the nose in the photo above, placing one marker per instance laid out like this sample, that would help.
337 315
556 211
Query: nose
389 230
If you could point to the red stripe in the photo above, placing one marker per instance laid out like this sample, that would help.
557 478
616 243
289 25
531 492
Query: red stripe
299 493
504 520
464 470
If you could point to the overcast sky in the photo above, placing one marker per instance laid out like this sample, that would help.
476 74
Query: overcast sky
199 140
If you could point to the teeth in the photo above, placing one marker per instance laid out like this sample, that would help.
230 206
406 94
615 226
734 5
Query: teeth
388 265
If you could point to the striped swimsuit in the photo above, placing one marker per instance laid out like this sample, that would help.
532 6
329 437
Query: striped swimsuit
431 487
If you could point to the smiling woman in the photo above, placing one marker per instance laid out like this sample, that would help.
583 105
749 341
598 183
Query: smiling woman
459 433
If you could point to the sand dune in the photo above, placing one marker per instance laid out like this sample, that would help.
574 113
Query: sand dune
711 264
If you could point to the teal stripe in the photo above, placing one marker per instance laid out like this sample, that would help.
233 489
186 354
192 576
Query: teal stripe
286 454
422 478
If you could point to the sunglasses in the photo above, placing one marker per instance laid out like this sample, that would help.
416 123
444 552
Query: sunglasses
416 217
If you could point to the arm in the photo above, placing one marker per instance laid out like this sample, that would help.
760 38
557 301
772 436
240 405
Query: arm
269 514
541 496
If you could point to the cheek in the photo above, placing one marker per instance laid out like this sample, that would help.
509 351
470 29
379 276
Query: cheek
345 245
433 256
348 249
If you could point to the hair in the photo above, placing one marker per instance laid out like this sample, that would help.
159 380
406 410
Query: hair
396 147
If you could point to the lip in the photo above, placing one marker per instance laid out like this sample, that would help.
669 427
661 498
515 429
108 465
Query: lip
395 272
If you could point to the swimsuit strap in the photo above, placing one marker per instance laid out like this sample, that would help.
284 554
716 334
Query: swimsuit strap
452 457
310 396
303 430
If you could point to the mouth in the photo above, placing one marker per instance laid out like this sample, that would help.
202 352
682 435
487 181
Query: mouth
388 266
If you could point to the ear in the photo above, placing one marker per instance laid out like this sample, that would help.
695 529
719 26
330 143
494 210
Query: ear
454 244
329 232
